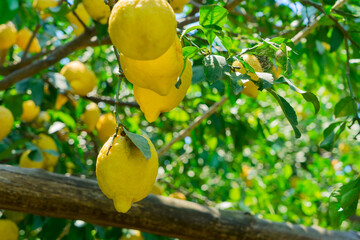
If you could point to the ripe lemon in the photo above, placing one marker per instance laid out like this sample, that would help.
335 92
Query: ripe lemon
81 79
42 119
61 99
91 116
125 175
8 230
250 89
7 35
75 23
30 111
160 74
6 122
45 142
98 10
106 126
152 104
178 195
26 162
133 235
142 29
254 63
43 4
178 5
22 39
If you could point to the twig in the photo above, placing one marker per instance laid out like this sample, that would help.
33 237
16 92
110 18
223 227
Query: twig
3 53
78 18
30 41
193 125
111 101
187 20
231 5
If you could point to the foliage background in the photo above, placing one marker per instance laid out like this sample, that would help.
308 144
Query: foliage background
245 156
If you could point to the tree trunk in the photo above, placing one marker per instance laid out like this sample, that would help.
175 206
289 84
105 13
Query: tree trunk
53 195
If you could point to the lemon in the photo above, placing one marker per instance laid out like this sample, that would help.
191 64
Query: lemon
42 118
8 230
98 10
152 104
6 122
75 23
106 126
43 4
160 74
91 116
30 111
157 189
178 5
61 99
124 174
22 39
344 148
45 142
178 195
254 63
250 89
26 162
133 235
277 71
142 29
81 79
7 35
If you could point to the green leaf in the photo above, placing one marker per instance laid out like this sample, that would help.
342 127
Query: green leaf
336 39
215 68
266 80
140 142
59 81
190 51
212 16
8 10
198 74
37 91
330 135
52 152
7 153
14 104
191 29
63 117
235 82
36 155
344 107
225 40
343 202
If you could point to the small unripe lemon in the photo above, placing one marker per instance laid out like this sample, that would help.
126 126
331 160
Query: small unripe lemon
81 79
7 35
142 29
30 111
106 126
22 39
6 122
124 174
158 75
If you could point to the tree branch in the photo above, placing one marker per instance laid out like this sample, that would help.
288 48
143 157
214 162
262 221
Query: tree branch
193 125
36 191
230 5
55 56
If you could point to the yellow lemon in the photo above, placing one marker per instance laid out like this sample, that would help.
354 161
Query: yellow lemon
178 5
152 104
26 162
45 142
7 35
178 195
277 71
75 23
133 235
250 89
142 29
81 79
43 4
157 189
124 174
98 10
30 111
22 39
8 230
42 118
91 116
159 74
254 63
106 126
6 122
61 99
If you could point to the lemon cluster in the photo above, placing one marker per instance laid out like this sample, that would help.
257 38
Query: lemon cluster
144 31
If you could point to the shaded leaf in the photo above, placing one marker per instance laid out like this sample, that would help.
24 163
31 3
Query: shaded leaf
140 142
344 107
215 68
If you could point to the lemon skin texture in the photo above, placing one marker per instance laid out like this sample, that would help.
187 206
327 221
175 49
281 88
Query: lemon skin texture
81 79
30 111
152 104
106 126
8 230
91 116
159 74
178 5
6 122
125 175
7 35
45 142
43 4
142 29
97 10
22 39
26 162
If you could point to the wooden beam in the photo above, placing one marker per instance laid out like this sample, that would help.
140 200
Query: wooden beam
54 195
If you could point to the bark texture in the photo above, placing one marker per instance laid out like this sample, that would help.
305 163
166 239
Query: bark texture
53 195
